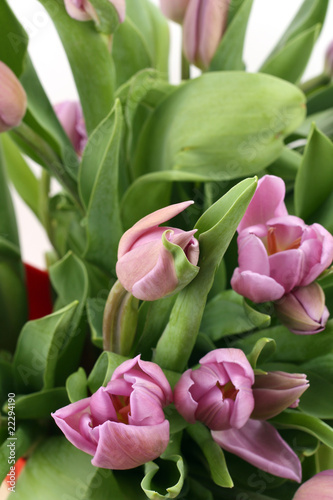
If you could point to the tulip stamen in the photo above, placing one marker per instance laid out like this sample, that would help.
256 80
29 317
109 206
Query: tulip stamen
295 244
272 246
228 390
122 406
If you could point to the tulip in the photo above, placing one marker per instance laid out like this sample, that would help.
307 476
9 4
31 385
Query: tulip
156 261
82 10
174 9
329 60
303 310
13 99
219 392
319 486
275 391
70 115
122 425
204 25
276 251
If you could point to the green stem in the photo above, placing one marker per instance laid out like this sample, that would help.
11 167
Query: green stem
44 212
315 83
185 66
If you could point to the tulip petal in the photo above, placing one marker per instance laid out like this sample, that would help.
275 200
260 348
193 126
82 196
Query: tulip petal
174 9
260 444
212 21
267 202
319 486
123 446
184 402
252 255
286 268
256 287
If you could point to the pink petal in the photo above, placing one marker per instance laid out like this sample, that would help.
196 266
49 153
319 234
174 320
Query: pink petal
318 487
101 407
184 402
261 445
252 255
286 267
190 30
122 446
212 21
174 9
267 202
256 287
318 249
230 355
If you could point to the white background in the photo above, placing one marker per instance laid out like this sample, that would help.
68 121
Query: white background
268 20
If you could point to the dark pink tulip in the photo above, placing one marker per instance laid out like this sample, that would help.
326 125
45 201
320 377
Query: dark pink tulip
122 425
275 391
13 99
204 25
218 393
70 115
82 10
260 444
318 487
147 265
303 310
174 9
276 251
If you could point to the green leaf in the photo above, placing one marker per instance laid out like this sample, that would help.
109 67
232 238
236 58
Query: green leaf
76 386
95 313
38 349
314 181
295 420
291 60
323 121
103 370
13 40
320 100
227 133
229 55
8 228
90 62
57 470
228 314
287 165
263 349
40 404
213 454
99 184
216 228
108 19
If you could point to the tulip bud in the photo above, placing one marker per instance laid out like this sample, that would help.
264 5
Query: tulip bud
174 9
13 99
155 261
329 60
275 391
204 25
303 310
70 115
82 10
319 486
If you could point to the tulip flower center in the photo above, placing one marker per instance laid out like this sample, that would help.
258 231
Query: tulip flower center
122 406
274 246
228 390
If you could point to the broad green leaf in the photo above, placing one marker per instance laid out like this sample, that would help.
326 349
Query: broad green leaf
13 40
262 350
99 190
108 19
76 386
198 491
229 55
57 470
323 121
213 454
95 313
8 228
26 434
38 349
6 380
177 422
314 181
226 133
103 370
295 420
228 314
291 60
287 165
216 228
90 62
21 175
40 404
320 100
70 280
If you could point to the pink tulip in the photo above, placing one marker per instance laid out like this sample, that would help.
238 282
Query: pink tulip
303 310
318 487
276 251
204 25
174 9
156 261
218 393
82 10
329 60
275 391
13 99
70 115
259 443
122 425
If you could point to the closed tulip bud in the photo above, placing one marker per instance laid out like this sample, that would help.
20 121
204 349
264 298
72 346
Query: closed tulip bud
70 115
318 487
204 25
82 10
303 310
155 261
174 9
13 99
275 391
329 60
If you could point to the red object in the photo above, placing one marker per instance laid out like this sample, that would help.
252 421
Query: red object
39 292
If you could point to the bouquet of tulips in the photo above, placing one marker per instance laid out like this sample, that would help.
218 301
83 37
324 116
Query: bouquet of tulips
178 342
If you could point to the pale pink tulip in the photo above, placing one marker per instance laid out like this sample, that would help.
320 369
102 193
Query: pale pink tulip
13 99
82 10
318 487
174 9
70 115
122 425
